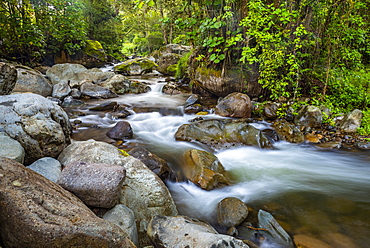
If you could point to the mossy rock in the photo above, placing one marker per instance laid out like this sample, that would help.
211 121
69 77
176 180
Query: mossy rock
136 66
94 49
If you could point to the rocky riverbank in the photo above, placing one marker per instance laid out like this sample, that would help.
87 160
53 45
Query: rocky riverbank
94 194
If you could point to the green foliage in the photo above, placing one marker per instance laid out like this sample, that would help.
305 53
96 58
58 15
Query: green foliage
365 124
182 66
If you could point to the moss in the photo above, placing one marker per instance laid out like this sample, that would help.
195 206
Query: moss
209 72
182 66
172 68
94 49
144 63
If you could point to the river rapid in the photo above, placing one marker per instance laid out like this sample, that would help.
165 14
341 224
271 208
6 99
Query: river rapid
324 194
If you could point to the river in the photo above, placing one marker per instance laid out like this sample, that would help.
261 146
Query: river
310 191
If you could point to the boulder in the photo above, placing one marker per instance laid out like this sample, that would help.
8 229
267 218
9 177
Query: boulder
171 48
35 212
96 53
70 102
204 169
122 85
167 63
223 133
351 121
75 93
122 130
38 124
143 191
106 106
96 91
309 116
97 185
8 78
288 132
29 80
47 167
270 110
135 67
123 217
235 105
231 212
11 148
74 73
156 164
181 231
61 90
275 233
221 83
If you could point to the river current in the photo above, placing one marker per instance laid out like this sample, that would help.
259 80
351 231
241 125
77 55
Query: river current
313 192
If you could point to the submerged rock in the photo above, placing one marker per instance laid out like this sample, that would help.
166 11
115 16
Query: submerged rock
35 212
223 133
181 231
204 169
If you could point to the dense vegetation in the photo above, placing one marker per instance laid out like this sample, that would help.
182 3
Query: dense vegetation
314 48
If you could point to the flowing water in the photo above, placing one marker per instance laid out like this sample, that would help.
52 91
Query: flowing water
319 193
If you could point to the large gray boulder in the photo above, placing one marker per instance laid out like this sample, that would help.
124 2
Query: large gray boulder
97 185
8 78
38 124
204 169
74 73
29 80
61 90
35 212
223 133
351 121
181 231
167 63
11 148
121 85
143 191
235 105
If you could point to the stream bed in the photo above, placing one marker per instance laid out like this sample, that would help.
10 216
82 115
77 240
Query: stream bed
318 193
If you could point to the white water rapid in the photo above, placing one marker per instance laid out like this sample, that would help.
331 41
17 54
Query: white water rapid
312 192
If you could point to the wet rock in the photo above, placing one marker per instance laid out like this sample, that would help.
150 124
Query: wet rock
204 169
123 217
122 130
351 121
270 110
193 109
309 116
96 91
35 212
143 191
331 145
231 212
313 138
75 73
167 63
235 105
97 185
61 90
10 148
106 106
181 231
194 98
70 102
38 124
48 167
29 80
363 145
134 67
75 93
8 78
156 164
288 132
122 85
222 133
275 233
